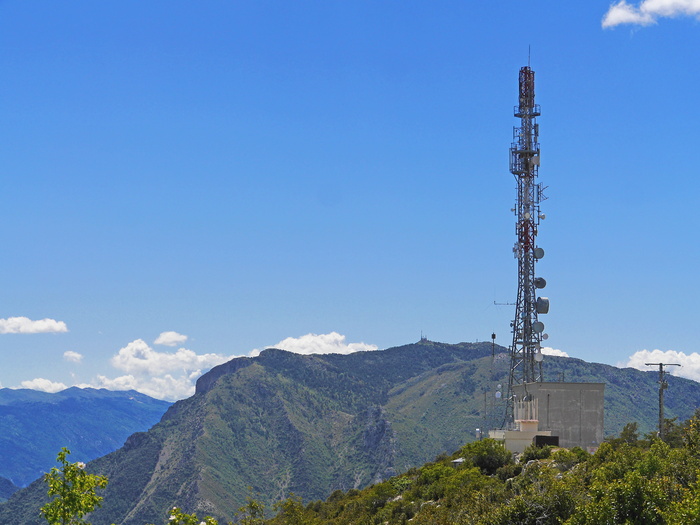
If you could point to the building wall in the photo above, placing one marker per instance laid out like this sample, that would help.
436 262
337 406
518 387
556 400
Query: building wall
572 411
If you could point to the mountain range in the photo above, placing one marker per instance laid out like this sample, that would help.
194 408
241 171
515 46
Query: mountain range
283 423
90 422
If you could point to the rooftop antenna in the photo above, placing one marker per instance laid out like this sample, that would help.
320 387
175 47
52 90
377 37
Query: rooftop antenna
526 349
663 385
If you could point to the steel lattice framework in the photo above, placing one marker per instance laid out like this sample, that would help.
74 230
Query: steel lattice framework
525 351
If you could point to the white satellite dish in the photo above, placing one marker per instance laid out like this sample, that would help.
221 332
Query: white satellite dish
539 253
527 215
545 336
498 395
539 357
538 326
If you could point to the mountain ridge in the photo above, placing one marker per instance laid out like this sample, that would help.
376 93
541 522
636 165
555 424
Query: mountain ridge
90 422
312 424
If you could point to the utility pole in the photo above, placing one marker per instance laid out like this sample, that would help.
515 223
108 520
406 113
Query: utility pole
663 385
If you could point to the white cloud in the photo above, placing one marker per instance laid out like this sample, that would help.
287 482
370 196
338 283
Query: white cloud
138 357
553 351
170 339
332 343
44 385
24 325
690 363
73 357
171 375
164 375
165 387
648 11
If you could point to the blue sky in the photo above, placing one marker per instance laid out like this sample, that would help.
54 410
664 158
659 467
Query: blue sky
240 173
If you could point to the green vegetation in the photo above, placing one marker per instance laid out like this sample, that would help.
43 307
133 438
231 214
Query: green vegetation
648 482
177 517
73 491
318 425
628 480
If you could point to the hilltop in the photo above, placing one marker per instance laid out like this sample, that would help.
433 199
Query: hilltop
314 424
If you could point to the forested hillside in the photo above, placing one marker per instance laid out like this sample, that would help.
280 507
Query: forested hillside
284 423
627 481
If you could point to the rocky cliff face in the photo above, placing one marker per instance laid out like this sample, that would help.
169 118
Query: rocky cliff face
277 423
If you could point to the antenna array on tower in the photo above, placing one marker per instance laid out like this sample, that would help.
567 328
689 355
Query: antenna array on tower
528 331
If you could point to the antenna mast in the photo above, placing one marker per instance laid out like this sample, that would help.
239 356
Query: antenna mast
525 352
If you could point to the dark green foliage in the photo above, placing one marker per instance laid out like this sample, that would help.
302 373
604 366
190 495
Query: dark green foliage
509 471
567 459
488 454
629 434
73 492
534 452
623 484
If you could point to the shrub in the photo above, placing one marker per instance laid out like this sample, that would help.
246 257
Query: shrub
534 452
488 454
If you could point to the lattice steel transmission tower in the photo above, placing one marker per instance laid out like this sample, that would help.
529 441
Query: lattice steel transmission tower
525 352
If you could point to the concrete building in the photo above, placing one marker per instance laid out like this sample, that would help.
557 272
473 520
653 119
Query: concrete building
571 411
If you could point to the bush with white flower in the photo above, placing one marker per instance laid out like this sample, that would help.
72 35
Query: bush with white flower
73 492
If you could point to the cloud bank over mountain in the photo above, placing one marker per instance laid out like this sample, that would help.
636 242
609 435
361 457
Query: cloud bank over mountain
171 374
332 343
554 351
690 363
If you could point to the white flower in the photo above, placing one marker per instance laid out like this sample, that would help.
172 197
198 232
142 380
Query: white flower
80 465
